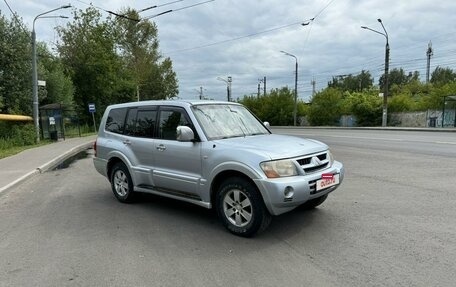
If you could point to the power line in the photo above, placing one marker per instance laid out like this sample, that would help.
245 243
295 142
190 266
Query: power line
145 9
15 16
178 9
241 37
305 22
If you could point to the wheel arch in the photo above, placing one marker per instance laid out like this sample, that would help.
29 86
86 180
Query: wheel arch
222 176
111 163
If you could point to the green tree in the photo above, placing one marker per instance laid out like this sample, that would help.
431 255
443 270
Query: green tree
276 107
15 68
441 76
401 103
352 83
88 51
366 107
435 98
326 108
138 43
59 87
255 105
398 77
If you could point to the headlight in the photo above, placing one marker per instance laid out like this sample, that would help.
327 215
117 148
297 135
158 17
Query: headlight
279 168
331 158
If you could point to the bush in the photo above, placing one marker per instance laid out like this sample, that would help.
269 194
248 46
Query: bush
367 108
326 108
16 134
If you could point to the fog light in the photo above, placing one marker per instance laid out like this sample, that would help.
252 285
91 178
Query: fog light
288 192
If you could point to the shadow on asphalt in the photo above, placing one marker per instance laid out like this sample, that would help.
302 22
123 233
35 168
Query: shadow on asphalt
285 225
69 161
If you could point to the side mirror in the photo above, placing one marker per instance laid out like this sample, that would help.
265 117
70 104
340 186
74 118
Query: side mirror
184 134
267 125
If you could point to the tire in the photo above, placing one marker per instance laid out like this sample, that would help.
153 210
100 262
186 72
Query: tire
311 204
121 183
240 207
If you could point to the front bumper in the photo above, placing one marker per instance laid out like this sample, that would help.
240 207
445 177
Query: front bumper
284 194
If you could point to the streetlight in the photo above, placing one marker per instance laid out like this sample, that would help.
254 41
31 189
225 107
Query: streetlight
228 86
34 70
296 87
385 86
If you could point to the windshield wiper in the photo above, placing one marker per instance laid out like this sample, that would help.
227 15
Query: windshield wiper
240 119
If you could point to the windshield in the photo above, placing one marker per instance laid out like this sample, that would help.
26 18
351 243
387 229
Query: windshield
220 121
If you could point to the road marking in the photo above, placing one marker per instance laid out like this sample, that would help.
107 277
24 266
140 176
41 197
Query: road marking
454 143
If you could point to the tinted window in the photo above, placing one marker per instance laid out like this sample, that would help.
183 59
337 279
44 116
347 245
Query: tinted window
130 122
146 123
170 119
115 120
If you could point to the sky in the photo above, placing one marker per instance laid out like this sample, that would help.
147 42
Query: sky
208 42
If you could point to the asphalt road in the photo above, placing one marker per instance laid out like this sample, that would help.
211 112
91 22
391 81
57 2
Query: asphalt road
392 223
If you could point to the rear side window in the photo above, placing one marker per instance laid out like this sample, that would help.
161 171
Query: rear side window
130 122
146 123
115 120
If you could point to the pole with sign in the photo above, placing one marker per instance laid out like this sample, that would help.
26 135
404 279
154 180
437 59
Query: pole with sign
92 111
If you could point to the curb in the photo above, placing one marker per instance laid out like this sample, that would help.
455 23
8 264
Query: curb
448 130
59 159
49 165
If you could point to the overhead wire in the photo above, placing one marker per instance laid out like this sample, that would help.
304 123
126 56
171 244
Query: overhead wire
178 9
309 21
16 17
146 9
238 38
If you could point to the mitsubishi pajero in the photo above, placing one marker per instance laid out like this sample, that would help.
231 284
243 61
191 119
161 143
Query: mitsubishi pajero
213 154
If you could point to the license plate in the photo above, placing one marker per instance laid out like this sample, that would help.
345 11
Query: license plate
327 182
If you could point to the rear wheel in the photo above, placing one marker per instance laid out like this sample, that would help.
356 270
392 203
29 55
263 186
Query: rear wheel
121 183
240 207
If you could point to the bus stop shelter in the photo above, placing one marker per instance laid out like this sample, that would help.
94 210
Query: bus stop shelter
51 122
449 111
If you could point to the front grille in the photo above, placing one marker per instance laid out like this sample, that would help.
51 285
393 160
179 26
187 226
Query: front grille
314 163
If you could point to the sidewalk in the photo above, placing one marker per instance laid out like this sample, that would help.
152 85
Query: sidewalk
21 166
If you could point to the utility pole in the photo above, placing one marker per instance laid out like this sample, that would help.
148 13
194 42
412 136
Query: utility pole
35 101
429 54
385 93
201 93
313 87
385 86
264 86
295 110
228 86
137 92
230 80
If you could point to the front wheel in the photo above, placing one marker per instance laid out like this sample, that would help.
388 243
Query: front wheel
240 207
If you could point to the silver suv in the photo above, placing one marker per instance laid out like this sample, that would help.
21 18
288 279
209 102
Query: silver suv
213 154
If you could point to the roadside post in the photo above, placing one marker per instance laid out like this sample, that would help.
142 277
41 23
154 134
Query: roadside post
92 111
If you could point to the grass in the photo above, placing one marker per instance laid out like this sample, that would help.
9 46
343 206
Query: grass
17 138
12 150
8 148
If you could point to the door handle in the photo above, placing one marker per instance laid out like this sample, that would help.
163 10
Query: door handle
161 147
127 142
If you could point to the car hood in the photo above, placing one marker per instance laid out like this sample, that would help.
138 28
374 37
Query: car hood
274 146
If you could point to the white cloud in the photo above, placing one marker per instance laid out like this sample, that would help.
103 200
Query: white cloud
333 44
